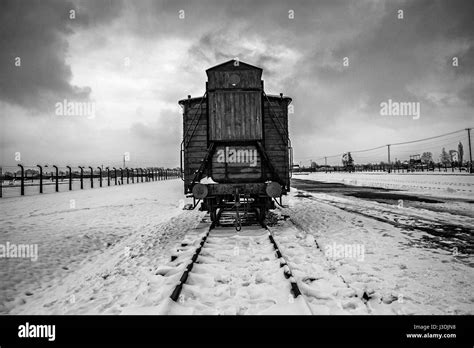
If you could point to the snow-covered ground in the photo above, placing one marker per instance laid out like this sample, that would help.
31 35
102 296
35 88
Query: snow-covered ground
11 189
436 185
110 236
401 271
108 251
236 273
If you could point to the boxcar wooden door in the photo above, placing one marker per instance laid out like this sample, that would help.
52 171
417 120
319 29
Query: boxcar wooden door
235 115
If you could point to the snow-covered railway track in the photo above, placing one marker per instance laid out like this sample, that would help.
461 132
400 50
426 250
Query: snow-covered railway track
233 272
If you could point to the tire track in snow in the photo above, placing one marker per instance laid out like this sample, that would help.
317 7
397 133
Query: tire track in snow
445 235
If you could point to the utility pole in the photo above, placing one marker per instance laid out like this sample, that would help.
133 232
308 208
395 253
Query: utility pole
325 161
389 163
470 151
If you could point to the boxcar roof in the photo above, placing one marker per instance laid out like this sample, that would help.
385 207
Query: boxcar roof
230 64
273 96
270 96
182 101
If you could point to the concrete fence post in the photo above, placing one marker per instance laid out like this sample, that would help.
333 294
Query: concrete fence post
100 176
82 177
92 177
40 178
70 177
57 179
22 180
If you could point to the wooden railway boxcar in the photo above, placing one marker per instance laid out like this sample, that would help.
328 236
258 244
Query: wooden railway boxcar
236 148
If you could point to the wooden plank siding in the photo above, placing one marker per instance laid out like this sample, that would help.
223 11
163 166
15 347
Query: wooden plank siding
246 79
275 146
276 143
242 169
233 74
195 143
235 115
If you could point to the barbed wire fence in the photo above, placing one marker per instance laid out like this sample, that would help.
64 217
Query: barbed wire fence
445 152
25 179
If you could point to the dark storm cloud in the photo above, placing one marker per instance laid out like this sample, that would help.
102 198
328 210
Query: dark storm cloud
36 32
215 48
466 70
387 57
334 106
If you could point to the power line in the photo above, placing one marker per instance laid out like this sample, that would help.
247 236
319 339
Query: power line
438 136
375 148
394 144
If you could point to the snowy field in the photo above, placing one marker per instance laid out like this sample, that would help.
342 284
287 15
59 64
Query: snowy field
432 184
49 186
109 251
87 234
401 267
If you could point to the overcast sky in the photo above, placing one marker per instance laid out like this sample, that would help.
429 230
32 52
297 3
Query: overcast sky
135 59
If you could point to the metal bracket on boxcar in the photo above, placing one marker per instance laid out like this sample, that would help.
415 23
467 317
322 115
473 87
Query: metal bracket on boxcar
198 173
279 203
